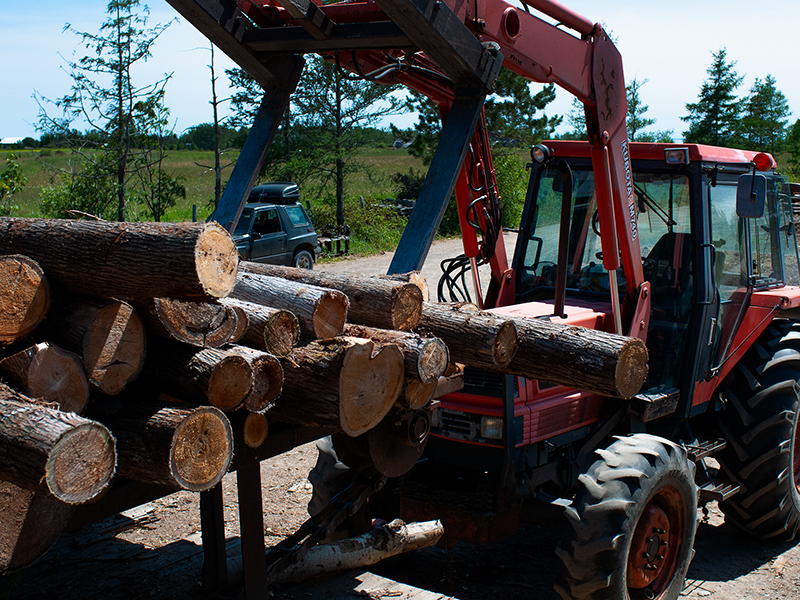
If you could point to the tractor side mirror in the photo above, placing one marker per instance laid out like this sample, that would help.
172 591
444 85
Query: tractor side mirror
751 195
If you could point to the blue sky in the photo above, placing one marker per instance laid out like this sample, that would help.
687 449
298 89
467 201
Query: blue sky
668 43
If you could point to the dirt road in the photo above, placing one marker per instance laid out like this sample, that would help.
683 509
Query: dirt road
154 551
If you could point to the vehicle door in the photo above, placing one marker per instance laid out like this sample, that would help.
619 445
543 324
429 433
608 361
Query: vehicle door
269 238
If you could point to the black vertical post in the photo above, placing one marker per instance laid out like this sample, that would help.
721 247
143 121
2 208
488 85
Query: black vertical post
251 526
212 526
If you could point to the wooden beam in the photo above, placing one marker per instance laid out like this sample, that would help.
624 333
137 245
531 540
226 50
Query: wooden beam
343 36
310 17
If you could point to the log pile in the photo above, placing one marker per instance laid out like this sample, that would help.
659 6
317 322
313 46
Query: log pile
144 351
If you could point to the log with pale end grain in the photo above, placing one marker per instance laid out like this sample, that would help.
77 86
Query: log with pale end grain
249 428
48 372
30 523
48 450
24 297
475 338
212 376
174 445
367 549
267 377
425 358
202 324
416 394
272 330
132 261
344 382
107 334
578 357
373 301
321 312
414 277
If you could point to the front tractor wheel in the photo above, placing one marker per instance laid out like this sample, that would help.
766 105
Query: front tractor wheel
633 523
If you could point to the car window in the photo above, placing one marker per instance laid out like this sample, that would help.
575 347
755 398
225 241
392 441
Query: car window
297 215
243 226
267 222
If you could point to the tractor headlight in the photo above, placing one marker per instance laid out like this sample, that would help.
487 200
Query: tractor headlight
492 428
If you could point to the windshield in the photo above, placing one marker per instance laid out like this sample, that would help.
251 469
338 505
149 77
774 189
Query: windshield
663 203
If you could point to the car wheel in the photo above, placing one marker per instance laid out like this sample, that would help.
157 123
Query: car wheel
303 260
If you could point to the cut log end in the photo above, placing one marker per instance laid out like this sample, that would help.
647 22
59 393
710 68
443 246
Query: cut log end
505 344
407 307
201 449
57 376
433 360
229 383
81 464
631 368
255 429
369 386
24 296
267 382
417 394
216 258
330 315
114 348
281 333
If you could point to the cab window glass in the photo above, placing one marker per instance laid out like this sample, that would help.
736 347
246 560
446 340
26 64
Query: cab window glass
297 215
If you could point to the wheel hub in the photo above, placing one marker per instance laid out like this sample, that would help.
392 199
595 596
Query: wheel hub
649 547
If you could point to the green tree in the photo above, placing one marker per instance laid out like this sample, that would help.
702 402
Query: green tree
713 119
104 95
793 146
636 121
337 108
12 181
511 110
766 115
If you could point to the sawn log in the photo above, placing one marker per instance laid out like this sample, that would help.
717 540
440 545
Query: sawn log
177 446
272 330
321 312
24 297
134 260
345 382
56 452
374 302
202 324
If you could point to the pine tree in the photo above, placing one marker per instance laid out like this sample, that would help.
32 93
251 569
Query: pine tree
766 116
713 119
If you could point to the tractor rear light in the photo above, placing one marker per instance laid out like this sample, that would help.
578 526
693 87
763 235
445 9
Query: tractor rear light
676 156
764 161
491 428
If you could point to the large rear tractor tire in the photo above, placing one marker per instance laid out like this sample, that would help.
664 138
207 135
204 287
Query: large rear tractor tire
760 424
633 522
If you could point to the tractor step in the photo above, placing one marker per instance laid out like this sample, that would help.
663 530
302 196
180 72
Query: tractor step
720 491
704 448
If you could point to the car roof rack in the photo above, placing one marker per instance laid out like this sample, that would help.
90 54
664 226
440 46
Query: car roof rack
276 192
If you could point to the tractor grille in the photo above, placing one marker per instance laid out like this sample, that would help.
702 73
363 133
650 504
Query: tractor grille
484 383
460 425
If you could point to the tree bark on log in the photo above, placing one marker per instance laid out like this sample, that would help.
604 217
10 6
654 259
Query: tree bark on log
201 324
425 358
321 312
107 334
212 376
374 302
272 330
24 297
345 382
267 377
47 450
367 549
177 446
30 523
46 371
578 357
132 261
474 338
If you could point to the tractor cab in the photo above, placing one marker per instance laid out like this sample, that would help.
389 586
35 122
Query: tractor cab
702 260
